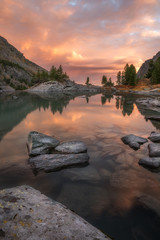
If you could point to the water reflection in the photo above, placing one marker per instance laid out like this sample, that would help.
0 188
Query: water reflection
114 193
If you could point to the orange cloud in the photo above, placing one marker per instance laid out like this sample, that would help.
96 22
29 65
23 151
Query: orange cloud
87 39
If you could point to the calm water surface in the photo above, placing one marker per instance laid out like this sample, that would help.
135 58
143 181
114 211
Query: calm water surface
113 192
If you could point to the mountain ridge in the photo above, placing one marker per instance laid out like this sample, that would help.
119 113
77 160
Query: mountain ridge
15 70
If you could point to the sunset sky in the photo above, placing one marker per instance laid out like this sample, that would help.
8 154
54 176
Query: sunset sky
88 37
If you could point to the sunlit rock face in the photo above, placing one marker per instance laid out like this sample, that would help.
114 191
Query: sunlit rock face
14 67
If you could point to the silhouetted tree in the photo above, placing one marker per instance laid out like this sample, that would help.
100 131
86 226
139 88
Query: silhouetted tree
155 79
119 78
104 80
87 81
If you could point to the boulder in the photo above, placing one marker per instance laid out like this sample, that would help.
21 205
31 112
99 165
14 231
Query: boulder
54 162
154 137
39 143
154 150
72 147
134 141
150 162
27 214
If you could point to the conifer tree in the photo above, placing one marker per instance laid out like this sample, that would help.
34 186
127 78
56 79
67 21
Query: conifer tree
119 78
87 81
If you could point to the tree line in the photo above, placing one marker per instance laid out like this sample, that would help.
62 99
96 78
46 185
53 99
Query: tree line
55 74
105 81
128 76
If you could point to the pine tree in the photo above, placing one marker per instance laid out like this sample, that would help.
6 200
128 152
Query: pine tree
119 78
87 81
104 80
132 75
155 79
150 69
127 74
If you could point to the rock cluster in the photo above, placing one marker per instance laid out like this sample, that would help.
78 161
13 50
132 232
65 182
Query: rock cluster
65 87
46 153
153 161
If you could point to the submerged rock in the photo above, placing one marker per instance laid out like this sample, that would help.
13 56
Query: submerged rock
153 117
39 143
154 150
27 214
72 147
150 162
155 137
54 162
134 141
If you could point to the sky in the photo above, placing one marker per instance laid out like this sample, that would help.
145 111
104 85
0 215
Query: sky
87 37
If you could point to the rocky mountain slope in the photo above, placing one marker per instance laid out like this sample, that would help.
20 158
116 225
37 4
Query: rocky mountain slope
145 66
15 70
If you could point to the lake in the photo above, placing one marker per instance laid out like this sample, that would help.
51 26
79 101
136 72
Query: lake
114 193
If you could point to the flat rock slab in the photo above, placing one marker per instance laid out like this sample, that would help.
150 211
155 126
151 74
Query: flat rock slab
54 162
154 150
154 137
150 162
39 143
27 214
134 141
72 147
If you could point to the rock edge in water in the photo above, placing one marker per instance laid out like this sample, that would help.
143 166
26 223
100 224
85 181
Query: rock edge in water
39 143
55 162
150 162
27 214
154 150
134 141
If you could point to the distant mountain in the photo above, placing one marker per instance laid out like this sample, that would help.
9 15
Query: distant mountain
15 70
145 66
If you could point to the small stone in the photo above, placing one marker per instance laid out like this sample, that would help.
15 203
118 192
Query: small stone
154 150
150 162
134 141
154 137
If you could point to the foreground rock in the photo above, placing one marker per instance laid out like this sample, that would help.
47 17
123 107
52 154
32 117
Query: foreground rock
154 137
154 150
72 147
134 141
150 162
27 214
39 143
54 162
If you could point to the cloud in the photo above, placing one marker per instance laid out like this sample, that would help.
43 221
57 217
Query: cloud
80 35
